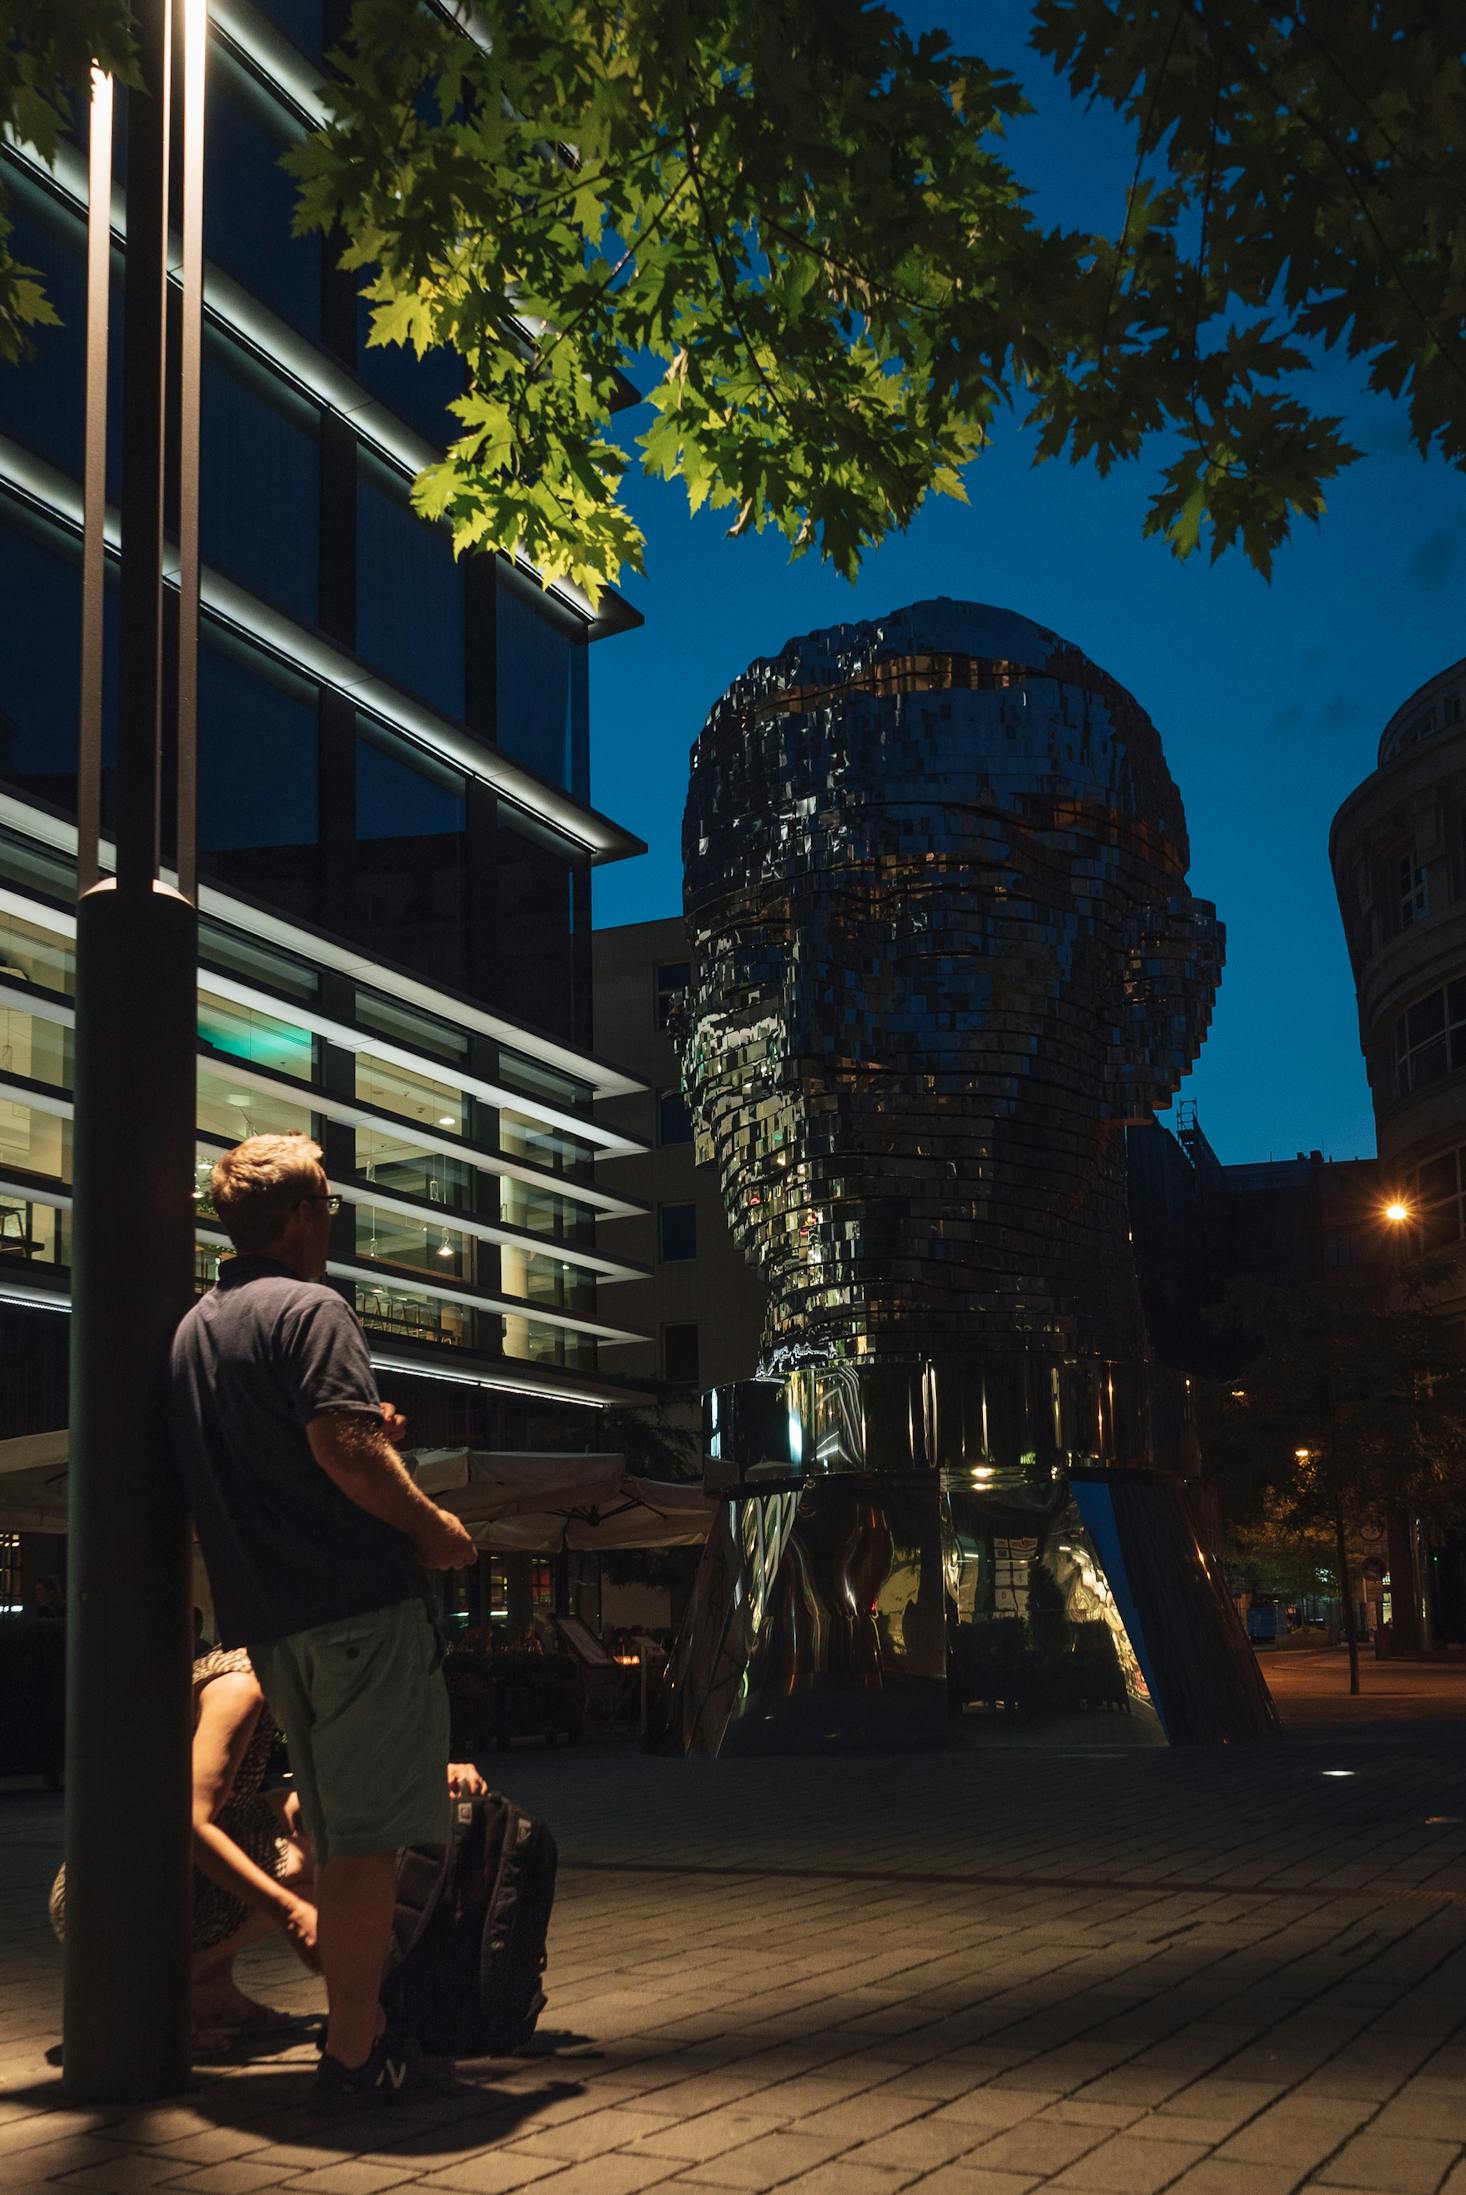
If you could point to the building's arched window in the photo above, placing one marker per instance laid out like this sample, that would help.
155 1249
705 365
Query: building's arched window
1430 1038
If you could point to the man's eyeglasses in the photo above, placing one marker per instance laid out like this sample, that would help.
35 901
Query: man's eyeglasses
318 1196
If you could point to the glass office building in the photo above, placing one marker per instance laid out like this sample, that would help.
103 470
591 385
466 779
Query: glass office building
395 830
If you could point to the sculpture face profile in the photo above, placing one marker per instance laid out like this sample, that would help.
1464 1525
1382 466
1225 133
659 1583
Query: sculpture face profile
943 948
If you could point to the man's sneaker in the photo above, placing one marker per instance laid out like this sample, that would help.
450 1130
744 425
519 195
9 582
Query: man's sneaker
395 2071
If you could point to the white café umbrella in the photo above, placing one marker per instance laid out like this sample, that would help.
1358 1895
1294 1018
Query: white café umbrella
544 1504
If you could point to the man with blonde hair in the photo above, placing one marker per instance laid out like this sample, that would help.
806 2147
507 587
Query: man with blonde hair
316 1538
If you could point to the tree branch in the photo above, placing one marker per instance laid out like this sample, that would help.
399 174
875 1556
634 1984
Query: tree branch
726 278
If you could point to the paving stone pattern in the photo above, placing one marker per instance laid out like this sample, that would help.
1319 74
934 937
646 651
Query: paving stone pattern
1083 1967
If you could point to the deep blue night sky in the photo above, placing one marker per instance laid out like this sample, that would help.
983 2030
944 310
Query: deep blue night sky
1269 699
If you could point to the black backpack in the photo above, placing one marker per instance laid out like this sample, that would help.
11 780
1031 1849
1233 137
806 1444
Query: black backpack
468 1939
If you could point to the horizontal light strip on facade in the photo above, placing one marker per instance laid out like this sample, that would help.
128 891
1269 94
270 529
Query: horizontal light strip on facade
364 1044
509 1307
270 52
402 989
308 652
361 1116
57 1199
372 1276
313 370
486 1377
15 1295
407 1282
33 1299
607 1270
17 993
43 1100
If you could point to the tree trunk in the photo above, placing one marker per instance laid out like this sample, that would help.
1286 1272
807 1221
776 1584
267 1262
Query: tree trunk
1346 1602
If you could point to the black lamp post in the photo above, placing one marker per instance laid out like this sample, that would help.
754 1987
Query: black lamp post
128 1719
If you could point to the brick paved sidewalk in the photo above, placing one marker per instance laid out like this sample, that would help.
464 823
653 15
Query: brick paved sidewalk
1082 1967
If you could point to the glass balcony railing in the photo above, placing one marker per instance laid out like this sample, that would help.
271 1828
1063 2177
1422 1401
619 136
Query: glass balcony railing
32 1233
29 954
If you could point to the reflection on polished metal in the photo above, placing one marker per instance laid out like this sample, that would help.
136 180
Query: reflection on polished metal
943 949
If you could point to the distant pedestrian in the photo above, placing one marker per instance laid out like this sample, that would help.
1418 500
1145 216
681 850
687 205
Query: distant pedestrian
46 1601
315 1537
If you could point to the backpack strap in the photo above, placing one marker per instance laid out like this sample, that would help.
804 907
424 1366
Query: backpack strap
424 1872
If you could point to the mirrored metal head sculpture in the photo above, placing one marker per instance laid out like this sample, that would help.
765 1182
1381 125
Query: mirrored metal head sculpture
943 948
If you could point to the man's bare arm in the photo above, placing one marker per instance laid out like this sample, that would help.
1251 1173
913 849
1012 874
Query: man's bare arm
356 1453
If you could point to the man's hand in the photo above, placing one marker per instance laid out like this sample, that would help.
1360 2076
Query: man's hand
297 1923
443 1543
395 1423
465 1782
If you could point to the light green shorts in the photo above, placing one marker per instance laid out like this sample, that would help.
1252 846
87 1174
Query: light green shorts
364 1710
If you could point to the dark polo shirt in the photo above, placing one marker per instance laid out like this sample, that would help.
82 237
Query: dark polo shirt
253 1362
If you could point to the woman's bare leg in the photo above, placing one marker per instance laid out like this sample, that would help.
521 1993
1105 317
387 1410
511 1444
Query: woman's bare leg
219 2004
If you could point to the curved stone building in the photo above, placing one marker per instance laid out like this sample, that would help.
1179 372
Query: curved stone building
1398 849
943 948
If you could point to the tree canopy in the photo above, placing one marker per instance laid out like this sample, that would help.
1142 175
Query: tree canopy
1351 1408
793 227
1351 1398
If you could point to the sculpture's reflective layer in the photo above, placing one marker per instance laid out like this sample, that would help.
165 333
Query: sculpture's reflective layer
943 948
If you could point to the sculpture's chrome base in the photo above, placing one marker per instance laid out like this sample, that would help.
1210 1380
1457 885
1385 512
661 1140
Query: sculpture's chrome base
816 1620
865 1607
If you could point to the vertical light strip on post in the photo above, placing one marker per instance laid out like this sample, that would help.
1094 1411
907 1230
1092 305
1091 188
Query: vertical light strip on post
94 490
128 1719
190 360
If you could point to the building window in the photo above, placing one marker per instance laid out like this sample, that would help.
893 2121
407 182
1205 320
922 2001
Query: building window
256 963
674 1121
1341 1247
534 895
43 399
232 1107
259 480
1430 1038
262 1039
540 1212
418 390
40 598
387 1236
542 690
29 954
392 1089
258 809
34 1048
523 1135
676 1232
411 854
679 1355
418 1032
411 1314
397 1162
536 1080
409 591
34 1140
249 200
1412 889
671 980
36 1233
